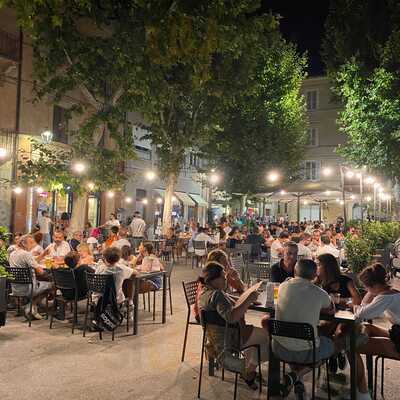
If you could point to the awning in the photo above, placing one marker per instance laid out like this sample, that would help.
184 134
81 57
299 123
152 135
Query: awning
185 199
161 192
199 200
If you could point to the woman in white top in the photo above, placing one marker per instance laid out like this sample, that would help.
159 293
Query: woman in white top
381 299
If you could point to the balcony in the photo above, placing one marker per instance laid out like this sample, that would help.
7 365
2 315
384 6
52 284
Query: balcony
8 46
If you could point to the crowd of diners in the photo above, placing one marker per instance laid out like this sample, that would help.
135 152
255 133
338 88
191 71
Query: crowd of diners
305 260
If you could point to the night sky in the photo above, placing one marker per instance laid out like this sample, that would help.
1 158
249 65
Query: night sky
303 24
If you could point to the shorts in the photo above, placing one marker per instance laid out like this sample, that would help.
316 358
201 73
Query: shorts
39 287
324 351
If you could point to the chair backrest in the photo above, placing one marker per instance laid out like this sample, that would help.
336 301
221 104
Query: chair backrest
64 278
244 248
190 290
294 330
199 245
97 283
169 266
237 262
21 276
259 271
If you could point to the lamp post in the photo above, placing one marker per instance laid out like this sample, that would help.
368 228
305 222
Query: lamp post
343 194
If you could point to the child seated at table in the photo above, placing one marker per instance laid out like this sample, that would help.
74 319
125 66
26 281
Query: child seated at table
150 263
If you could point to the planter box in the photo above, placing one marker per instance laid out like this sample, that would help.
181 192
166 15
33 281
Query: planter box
3 301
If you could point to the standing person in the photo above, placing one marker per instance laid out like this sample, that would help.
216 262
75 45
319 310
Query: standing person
45 223
137 229
112 221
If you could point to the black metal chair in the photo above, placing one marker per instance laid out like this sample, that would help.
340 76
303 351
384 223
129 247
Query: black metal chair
213 318
22 276
382 358
237 263
64 280
301 331
190 291
96 284
259 271
199 246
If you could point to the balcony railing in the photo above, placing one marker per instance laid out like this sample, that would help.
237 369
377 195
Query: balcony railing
8 46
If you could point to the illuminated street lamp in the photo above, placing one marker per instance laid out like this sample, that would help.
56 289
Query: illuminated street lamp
327 171
145 201
18 190
150 175
79 167
159 200
349 174
283 192
128 199
3 153
369 180
214 178
273 176
110 194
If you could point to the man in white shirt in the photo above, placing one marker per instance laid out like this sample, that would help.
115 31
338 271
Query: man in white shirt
113 221
327 247
122 240
299 300
22 257
137 229
44 223
277 246
202 237
303 249
57 250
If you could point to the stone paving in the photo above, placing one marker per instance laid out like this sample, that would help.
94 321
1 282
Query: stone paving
38 363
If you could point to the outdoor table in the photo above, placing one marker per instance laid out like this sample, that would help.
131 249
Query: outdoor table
344 317
137 279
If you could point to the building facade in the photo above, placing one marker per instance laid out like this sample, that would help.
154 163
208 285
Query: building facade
318 191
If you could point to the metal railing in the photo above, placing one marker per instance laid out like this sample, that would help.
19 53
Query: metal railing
8 46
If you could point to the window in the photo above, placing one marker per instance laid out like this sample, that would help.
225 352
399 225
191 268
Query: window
311 170
60 125
142 142
311 100
312 137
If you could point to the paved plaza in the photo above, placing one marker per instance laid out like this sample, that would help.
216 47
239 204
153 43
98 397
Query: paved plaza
38 363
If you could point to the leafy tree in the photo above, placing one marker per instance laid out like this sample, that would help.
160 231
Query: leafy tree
265 124
163 58
362 53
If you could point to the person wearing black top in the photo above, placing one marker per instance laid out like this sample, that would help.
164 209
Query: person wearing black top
233 238
71 260
332 280
257 242
284 268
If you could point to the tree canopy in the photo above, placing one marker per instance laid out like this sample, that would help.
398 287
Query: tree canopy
362 53
265 124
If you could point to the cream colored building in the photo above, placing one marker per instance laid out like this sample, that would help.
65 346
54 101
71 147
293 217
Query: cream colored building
319 188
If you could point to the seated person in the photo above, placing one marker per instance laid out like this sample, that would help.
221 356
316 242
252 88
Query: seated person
38 249
312 300
85 254
76 240
257 242
72 260
111 265
332 280
141 254
151 263
277 246
112 236
303 249
56 250
121 239
214 298
326 247
234 237
127 258
381 300
232 277
22 257
284 268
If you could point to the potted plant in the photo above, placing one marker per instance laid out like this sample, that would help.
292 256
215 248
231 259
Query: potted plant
4 275
358 253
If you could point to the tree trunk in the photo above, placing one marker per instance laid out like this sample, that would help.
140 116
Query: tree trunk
78 217
169 192
243 206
